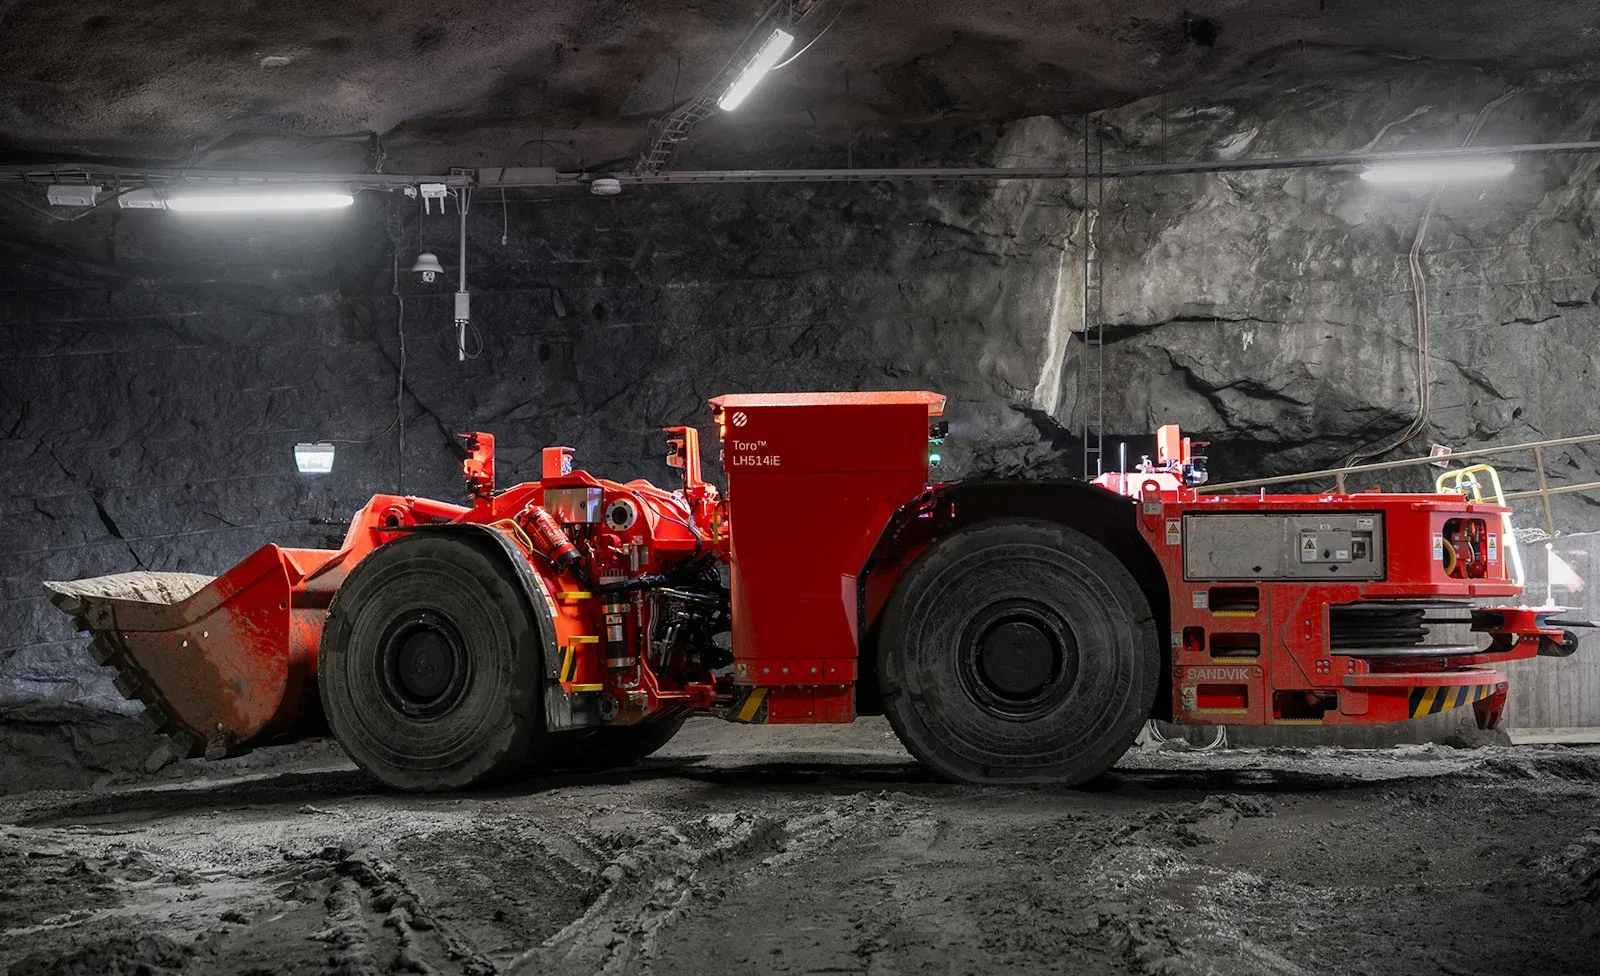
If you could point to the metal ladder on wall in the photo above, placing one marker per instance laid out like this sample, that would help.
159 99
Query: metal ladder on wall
1094 349
672 129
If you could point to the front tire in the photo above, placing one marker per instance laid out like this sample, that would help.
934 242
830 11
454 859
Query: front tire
429 667
1018 652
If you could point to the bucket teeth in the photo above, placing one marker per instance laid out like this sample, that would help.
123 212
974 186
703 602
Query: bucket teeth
155 632
218 744
155 717
144 624
102 650
128 684
131 684
183 744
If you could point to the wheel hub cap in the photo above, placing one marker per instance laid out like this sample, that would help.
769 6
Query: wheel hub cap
424 668
425 665
1016 659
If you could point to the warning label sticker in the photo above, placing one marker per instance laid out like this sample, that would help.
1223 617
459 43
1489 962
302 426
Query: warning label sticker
1308 547
1200 602
1174 532
1493 548
1438 547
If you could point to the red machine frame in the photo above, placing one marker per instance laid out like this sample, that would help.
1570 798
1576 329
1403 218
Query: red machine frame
832 498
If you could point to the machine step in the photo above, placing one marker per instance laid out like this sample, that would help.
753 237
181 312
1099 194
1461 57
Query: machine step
1422 650
1415 679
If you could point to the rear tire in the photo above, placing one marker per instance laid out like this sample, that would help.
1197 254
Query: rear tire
1018 652
430 666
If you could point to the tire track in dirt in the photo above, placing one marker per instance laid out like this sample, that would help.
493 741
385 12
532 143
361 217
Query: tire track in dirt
647 884
1241 862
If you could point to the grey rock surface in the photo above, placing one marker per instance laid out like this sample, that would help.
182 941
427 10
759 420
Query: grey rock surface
573 83
156 370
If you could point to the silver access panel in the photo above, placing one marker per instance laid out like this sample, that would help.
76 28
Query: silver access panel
1288 546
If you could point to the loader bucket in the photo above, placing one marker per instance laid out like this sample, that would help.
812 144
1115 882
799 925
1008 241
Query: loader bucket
221 664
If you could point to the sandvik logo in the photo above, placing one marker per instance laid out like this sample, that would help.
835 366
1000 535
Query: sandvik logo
740 418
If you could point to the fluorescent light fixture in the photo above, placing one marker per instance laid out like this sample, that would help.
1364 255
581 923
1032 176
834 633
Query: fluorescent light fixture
265 200
1438 170
764 61
143 198
313 458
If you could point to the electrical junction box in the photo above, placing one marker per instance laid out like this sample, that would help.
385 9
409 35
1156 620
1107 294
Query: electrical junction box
1269 546
61 195
573 506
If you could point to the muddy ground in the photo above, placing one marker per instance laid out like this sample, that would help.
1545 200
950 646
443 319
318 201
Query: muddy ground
819 851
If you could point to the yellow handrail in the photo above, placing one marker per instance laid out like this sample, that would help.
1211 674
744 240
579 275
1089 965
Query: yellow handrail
1338 475
1466 481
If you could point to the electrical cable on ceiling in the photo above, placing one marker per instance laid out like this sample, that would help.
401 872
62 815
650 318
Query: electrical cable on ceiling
400 375
464 205
477 338
377 153
1419 292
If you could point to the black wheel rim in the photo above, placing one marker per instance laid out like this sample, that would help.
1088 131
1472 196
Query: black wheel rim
1018 659
423 667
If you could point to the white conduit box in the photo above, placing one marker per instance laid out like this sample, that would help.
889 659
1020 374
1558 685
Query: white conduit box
72 196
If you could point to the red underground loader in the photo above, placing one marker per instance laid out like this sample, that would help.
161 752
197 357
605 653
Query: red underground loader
1011 631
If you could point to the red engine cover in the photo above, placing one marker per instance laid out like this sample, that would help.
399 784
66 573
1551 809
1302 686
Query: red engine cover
812 480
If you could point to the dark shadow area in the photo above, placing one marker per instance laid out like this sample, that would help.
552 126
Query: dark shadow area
275 790
777 779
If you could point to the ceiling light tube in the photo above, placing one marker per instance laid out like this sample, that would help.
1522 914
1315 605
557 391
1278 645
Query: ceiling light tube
763 62
259 202
1438 171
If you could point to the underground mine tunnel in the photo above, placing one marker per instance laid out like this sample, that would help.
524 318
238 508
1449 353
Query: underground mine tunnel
814 486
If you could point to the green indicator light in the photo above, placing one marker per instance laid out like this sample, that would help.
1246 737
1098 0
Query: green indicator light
934 458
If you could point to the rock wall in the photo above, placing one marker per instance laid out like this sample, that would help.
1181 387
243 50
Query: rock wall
156 370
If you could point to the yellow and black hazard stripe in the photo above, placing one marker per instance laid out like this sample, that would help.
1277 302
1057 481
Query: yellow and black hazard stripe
1439 698
569 671
569 657
751 708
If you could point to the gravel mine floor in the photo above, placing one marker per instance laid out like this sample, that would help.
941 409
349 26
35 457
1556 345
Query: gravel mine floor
821 850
